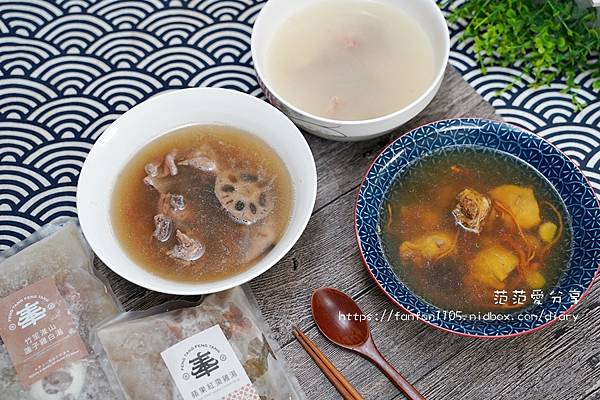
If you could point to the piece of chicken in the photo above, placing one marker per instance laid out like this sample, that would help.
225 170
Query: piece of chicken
200 162
163 227
159 170
187 248
156 171
428 248
174 206
172 211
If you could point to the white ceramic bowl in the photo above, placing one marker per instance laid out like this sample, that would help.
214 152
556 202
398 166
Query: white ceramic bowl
275 12
160 115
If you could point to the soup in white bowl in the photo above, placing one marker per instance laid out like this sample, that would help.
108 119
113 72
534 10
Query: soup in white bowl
210 201
150 124
350 60
350 70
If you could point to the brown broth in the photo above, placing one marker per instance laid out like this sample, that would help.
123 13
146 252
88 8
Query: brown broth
226 242
420 203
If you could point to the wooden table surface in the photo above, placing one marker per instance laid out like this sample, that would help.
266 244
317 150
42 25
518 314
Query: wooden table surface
561 362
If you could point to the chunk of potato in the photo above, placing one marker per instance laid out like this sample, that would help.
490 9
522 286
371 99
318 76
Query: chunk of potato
427 248
547 231
492 265
521 202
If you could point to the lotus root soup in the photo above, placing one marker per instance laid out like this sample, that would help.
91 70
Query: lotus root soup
202 203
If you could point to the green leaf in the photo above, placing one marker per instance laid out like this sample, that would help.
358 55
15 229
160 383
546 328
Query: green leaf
553 38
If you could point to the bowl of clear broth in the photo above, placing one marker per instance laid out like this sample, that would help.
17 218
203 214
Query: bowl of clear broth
196 191
478 228
350 69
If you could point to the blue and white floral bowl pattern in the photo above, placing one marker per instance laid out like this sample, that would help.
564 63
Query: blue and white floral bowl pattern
567 179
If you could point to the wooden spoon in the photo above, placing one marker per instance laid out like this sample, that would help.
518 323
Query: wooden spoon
338 318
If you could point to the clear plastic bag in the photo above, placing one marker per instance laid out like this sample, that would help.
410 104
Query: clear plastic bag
134 346
59 257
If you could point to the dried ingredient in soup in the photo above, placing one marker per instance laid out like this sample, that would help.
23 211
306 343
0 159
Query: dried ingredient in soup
472 229
202 203
64 259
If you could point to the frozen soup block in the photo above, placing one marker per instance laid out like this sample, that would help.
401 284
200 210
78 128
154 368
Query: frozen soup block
218 349
49 300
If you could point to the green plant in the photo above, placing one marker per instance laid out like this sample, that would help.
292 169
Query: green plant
550 39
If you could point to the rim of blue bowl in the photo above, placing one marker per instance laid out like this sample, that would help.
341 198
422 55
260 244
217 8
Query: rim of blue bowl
571 184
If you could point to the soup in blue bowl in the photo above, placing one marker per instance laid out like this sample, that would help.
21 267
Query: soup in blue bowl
478 227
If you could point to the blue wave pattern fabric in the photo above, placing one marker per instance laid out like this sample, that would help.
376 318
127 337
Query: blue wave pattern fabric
68 68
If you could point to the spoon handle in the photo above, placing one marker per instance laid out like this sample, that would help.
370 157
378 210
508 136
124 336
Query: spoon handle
371 352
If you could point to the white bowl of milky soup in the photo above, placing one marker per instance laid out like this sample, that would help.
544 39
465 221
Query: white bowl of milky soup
196 191
350 69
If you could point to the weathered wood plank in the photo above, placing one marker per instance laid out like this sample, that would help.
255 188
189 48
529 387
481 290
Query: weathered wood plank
561 361
406 344
563 358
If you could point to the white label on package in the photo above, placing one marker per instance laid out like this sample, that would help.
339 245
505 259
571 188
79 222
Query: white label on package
204 367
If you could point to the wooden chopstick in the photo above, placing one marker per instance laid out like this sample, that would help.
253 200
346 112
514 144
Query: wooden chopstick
338 380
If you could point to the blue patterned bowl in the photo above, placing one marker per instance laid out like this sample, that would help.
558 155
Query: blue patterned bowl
569 182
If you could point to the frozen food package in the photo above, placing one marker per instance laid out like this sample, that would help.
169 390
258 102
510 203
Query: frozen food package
49 300
217 349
